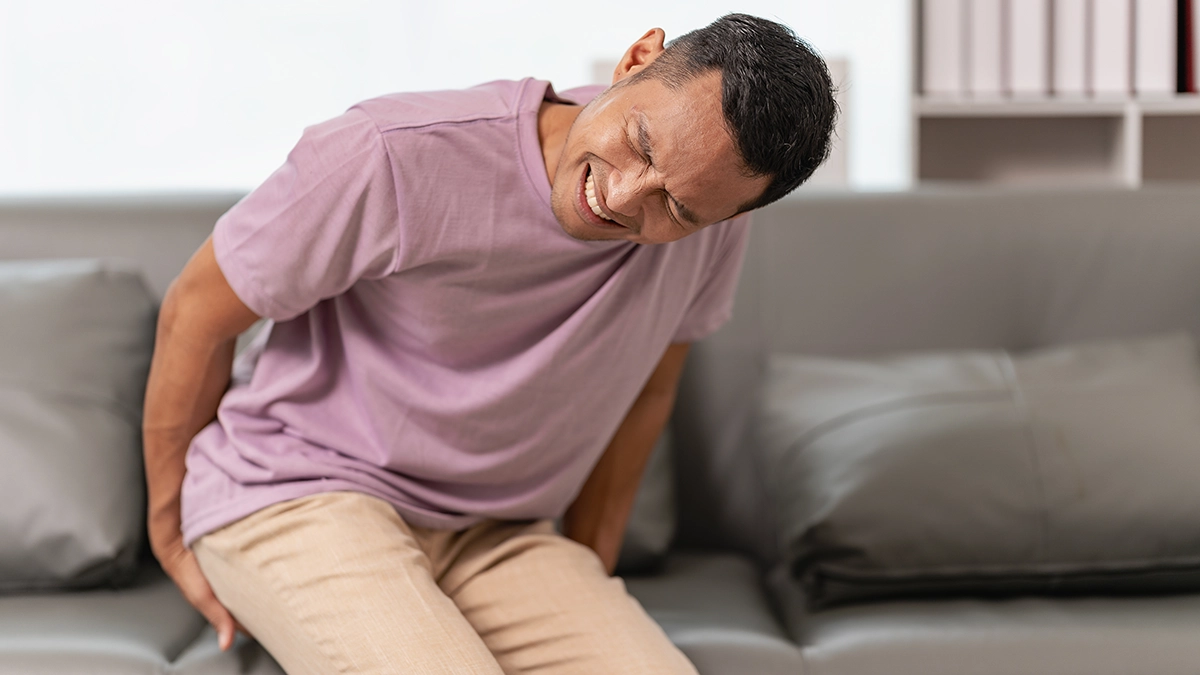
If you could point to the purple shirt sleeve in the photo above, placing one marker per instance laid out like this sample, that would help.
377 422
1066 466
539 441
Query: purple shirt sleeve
713 303
325 219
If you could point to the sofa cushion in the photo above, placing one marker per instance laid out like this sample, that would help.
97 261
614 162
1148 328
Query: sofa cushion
713 607
1013 636
138 629
75 346
1065 469
204 657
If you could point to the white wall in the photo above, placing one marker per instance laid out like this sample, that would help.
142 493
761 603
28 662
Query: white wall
135 95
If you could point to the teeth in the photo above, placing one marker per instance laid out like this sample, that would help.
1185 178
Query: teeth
589 190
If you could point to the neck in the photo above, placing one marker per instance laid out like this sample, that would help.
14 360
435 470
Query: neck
554 121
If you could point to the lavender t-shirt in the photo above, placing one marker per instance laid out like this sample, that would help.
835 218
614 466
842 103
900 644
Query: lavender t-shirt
437 340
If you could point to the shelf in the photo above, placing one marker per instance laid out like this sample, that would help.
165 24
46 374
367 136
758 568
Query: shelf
1050 141
1171 148
1181 104
950 107
1077 149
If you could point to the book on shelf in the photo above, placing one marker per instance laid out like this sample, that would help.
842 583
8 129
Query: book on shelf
1028 47
985 48
1183 47
1193 41
989 49
1110 55
1070 53
1155 54
943 43
1187 36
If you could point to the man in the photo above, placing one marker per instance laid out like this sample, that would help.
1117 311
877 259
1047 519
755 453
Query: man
481 305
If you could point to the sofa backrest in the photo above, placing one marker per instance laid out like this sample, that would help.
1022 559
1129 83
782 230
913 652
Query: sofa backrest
155 234
825 274
853 275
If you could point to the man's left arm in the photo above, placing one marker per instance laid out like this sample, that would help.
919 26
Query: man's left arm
600 513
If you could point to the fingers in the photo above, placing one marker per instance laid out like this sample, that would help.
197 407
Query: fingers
220 618
226 626
186 572
225 635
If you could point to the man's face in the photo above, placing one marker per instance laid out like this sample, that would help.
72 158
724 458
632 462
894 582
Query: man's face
657 163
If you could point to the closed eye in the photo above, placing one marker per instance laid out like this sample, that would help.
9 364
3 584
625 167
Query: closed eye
667 200
644 151
639 151
644 139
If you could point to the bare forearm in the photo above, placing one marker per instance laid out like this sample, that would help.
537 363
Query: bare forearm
600 513
188 375
198 325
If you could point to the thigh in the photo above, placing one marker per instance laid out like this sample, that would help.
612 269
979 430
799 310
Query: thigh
544 604
336 583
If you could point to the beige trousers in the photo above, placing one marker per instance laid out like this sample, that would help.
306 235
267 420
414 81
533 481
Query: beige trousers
339 583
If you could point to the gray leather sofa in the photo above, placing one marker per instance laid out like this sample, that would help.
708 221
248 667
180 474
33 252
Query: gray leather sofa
846 277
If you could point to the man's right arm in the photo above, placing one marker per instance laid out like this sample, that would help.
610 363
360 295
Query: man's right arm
198 325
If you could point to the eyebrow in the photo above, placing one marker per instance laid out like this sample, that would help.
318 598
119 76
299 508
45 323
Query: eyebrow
643 134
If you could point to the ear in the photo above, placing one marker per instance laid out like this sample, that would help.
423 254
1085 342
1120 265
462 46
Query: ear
640 54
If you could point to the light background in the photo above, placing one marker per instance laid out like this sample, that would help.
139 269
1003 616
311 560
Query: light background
164 96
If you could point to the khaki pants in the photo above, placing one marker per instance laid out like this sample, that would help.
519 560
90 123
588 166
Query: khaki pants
338 583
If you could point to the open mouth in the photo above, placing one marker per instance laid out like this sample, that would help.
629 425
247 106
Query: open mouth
589 202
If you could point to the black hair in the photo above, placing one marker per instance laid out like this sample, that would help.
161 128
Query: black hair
776 95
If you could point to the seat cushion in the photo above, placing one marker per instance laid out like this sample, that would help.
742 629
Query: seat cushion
137 629
713 607
204 657
1153 635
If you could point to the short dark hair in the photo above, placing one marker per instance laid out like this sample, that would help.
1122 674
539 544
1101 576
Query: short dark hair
776 94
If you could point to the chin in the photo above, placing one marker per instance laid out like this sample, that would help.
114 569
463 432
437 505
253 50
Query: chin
564 215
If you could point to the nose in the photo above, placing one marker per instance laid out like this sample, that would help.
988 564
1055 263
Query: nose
625 193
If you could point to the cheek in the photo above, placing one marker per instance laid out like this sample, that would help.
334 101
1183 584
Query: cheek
664 233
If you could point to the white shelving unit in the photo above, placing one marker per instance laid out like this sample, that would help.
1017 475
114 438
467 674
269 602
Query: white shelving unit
1053 141
1063 142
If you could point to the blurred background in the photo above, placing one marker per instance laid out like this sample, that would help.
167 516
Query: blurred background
136 96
